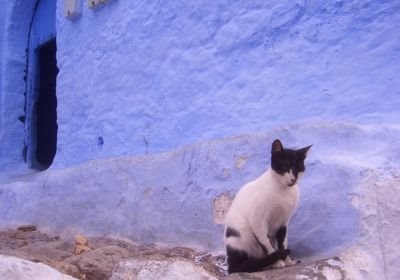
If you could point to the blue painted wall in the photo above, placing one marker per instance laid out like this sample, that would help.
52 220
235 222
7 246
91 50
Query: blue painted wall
15 17
140 77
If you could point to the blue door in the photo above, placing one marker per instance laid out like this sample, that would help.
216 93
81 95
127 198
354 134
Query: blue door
41 102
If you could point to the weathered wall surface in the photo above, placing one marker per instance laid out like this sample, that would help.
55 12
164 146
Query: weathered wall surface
141 77
348 194
14 17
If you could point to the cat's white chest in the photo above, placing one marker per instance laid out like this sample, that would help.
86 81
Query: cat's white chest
279 208
264 203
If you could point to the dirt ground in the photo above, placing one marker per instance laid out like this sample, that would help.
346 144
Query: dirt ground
93 258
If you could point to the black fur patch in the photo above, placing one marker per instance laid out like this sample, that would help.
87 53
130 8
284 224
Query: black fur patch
239 261
231 232
280 236
235 258
282 162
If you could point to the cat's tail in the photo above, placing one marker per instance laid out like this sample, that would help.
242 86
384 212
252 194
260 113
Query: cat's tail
239 261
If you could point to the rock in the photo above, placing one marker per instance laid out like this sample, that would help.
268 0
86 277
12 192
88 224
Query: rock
329 269
12 268
14 239
172 269
38 247
80 240
26 228
81 245
97 264
79 249
100 242
51 251
19 254
53 254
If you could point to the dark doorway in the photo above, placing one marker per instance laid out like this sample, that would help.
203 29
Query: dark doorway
46 106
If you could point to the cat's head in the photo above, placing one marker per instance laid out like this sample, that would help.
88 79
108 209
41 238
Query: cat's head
288 163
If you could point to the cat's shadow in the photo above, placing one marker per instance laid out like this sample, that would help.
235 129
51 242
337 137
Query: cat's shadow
325 222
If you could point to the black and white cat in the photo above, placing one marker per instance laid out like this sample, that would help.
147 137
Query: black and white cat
256 224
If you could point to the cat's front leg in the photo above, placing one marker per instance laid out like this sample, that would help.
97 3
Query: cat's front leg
282 240
268 249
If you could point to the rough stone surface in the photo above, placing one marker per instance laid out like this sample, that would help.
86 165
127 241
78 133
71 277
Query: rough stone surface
107 254
12 268
27 228
376 256
118 259
329 269
156 270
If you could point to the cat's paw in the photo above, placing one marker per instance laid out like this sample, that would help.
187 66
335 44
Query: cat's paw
289 261
282 253
279 264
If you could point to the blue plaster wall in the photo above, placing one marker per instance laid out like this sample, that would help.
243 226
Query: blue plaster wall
14 27
141 77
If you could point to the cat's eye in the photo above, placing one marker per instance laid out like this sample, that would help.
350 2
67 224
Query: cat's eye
285 165
300 166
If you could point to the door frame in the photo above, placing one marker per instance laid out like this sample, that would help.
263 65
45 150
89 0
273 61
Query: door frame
42 30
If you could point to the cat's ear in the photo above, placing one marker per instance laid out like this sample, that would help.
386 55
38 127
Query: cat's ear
304 151
276 146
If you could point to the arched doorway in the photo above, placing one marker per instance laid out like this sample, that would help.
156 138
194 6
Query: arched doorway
41 101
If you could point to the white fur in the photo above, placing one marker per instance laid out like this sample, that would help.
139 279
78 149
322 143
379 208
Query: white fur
261 207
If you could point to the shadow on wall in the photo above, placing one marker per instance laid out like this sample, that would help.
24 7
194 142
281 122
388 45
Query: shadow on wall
325 220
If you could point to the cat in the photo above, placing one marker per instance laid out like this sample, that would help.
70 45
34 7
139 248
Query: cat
256 224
